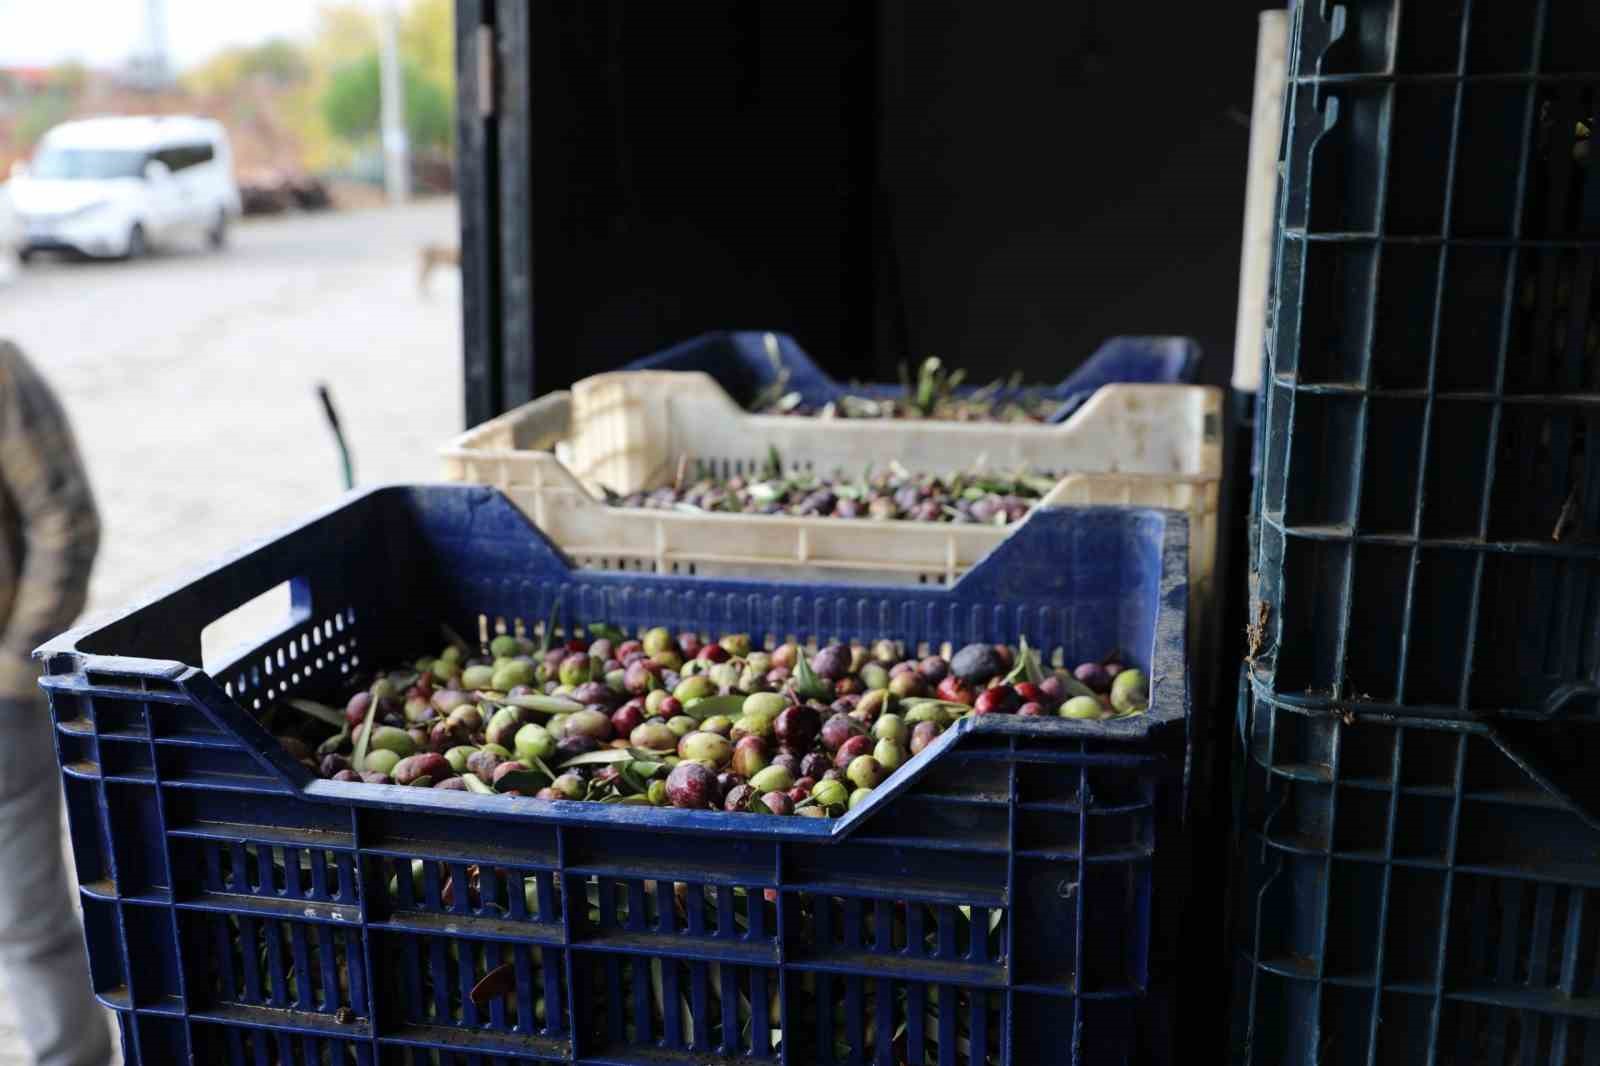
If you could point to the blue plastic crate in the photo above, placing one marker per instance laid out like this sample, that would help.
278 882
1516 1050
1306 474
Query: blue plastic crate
1020 882
741 364
1419 890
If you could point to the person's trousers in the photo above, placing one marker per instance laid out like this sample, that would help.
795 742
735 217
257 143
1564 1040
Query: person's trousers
41 942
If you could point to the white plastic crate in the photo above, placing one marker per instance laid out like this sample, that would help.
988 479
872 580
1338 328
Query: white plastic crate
1145 445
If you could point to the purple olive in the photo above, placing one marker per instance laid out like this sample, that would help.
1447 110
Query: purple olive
837 730
483 763
976 663
691 785
413 768
375 777
738 798
796 728
923 734
814 765
333 765
1094 675
778 803
788 762
452 783
347 775
627 718
933 669
832 662
588 722
856 746
641 677
570 746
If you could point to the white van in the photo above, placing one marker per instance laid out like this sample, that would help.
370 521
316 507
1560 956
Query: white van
116 186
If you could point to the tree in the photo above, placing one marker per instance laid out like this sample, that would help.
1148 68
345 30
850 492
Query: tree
427 36
351 104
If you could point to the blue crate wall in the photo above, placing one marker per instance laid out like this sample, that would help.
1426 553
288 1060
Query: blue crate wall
1430 496
1009 901
1418 893
1420 825
742 364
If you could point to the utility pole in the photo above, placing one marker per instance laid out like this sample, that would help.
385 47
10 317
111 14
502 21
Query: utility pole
152 65
396 148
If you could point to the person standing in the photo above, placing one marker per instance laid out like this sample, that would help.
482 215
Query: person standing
49 534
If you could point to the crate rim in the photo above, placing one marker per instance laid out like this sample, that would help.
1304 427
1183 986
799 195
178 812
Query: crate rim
1168 677
1070 390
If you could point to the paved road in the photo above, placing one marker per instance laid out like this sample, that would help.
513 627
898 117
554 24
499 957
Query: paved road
190 379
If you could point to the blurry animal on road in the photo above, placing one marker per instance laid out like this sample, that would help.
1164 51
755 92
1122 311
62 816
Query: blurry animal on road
433 257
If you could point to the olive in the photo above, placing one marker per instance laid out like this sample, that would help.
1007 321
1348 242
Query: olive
1130 691
851 749
570 786
710 748
589 723
682 725
891 727
750 755
457 757
424 767
778 803
832 662
796 728
830 793
1082 707
657 640
814 765
483 764
533 741
906 685
627 718
837 730
478 677
654 735
998 699
773 778
889 754
738 798
691 785
976 663
922 734
568 747
859 796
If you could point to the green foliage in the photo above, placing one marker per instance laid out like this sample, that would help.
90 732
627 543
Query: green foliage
351 104
40 113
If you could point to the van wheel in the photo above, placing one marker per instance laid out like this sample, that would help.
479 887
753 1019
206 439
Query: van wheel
138 247
217 235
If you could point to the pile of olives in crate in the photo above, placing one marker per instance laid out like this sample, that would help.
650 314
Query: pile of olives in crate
932 396
891 492
682 722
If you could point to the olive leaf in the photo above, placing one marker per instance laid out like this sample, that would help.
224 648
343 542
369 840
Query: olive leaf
603 757
1027 667
540 765
475 783
550 627
806 684
542 704
711 706
358 759
320 711
526 782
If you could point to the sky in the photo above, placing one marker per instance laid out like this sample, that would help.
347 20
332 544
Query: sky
105 32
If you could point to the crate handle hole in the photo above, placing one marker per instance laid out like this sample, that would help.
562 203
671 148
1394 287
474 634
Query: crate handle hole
255 622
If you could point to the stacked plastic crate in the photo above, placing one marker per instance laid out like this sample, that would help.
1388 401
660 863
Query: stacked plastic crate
1422 823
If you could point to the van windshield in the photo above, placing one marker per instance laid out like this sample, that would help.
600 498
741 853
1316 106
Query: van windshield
87 164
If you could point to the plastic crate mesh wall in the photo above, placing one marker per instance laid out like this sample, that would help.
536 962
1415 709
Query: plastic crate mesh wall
241 926
1415 897
1431 497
